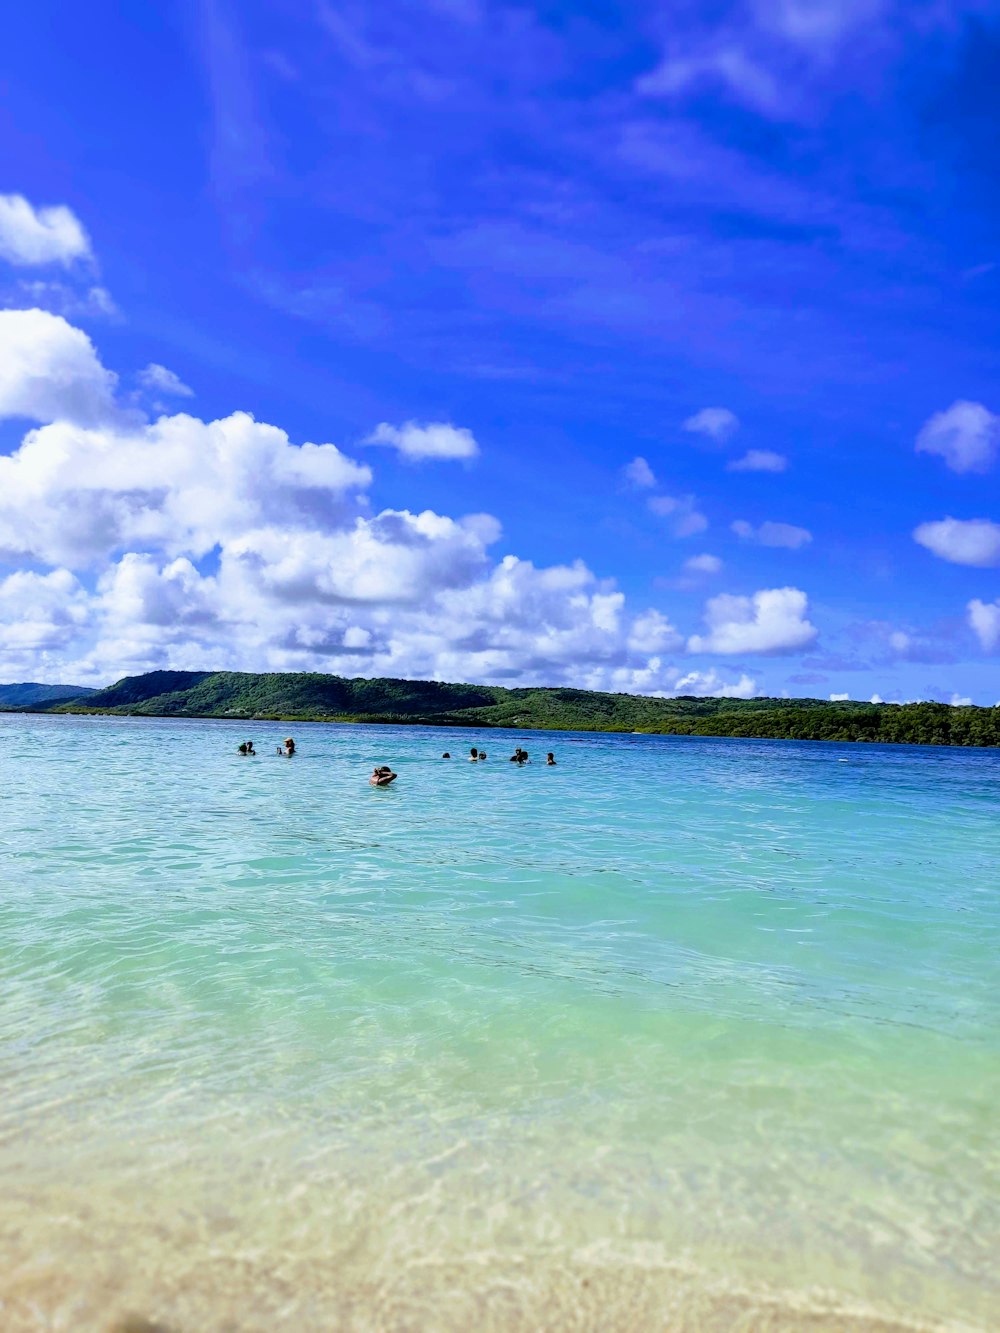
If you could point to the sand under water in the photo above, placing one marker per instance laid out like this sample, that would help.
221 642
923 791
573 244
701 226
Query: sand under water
680 1034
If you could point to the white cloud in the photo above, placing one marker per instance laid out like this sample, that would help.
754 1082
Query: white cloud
773 534
974 541
436 439
839 698
876 699
966 435
684 518
60 298
71 495
638 473
49 370
40 612
32 236
710 683
771 621
960 701
717 423
159 379
653 633
702 564
758 460
984 619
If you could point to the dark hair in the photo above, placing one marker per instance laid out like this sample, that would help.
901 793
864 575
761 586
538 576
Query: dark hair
446 755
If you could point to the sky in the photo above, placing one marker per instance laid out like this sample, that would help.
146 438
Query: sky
643 347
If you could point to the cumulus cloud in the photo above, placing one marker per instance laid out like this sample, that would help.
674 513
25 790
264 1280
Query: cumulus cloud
771 621
773 534
33 236
639 474
702 564
158 379
73 495
190 543
839 698
716 423
49 370
40 612
684 518
966 435
436 439
758 460
711 684
984 620
973 541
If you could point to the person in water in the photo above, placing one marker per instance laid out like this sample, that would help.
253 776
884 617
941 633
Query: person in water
520 757
288 747
381 777
247 748
446 755
473 755
482 756
550 759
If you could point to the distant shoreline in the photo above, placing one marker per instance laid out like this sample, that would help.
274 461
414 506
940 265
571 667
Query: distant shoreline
721 726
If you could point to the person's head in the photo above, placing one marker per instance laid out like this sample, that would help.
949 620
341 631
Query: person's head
289 743
446 755
482 755
550 755
474 752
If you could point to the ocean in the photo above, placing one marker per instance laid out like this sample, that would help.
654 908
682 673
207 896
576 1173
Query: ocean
681 1033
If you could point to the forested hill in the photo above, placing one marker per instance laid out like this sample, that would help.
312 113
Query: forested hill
28 693
313 697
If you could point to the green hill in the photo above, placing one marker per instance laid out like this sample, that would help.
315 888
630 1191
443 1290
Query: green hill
310 696
29 693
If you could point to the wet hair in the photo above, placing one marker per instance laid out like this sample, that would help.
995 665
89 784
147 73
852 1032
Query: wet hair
446 755
473 751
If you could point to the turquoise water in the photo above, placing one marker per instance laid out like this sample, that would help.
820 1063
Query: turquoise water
680 1033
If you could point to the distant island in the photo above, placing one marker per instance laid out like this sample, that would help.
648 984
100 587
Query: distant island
313 697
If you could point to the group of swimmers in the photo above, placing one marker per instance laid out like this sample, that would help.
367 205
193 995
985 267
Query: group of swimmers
518 757
382 775
287 748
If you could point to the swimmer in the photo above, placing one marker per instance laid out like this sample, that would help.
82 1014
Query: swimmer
446 755
482 756
381 777
473 755
520 757
242 748
246 748
550 760
288 747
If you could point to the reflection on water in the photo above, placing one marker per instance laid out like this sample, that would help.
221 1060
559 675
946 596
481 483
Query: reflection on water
679 1034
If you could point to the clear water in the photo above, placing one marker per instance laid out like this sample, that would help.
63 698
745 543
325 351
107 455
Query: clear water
678 1034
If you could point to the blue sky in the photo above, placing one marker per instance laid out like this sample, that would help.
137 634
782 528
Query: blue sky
752 245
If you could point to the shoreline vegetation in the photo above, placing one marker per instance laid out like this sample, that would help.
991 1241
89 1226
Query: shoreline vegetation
316 697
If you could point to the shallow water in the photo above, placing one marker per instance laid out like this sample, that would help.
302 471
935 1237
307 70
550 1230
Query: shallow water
681 1033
